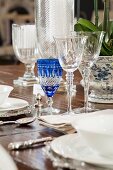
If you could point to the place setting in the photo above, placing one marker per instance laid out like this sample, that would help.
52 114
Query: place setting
14 110
86 148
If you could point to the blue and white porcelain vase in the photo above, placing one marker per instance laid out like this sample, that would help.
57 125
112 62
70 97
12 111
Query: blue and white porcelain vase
101 82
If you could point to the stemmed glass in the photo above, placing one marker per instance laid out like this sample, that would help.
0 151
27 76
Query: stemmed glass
91 53
70 51
25 47
50 75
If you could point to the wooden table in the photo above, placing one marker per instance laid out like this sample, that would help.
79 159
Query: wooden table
32 158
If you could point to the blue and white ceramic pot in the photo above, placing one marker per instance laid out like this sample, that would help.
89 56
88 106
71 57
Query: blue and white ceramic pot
101 82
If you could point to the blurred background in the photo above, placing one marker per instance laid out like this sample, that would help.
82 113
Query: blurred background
17 11
84 8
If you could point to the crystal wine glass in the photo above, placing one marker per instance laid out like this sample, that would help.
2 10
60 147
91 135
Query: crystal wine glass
91 53
70 51
25 47
50 74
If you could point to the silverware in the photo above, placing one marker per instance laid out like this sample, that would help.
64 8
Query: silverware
29 143
20 121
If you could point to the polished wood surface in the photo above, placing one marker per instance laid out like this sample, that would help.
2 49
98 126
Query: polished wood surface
32 158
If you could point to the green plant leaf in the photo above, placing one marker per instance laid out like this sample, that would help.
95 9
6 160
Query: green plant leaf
100 27
107 45
88 24
105 50
79 27
111 27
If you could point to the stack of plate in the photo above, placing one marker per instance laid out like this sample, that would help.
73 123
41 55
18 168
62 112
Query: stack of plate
13 107
71 151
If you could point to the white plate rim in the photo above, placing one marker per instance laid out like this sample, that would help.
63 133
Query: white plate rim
12 101
97 100
6 161
59 144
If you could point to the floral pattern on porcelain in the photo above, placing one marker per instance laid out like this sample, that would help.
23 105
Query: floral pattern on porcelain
101 83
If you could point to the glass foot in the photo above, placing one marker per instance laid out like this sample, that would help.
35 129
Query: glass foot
69 113
46 111
82 110
22 82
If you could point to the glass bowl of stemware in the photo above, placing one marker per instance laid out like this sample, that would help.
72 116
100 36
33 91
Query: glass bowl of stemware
25 47
50 75
90 55
70 51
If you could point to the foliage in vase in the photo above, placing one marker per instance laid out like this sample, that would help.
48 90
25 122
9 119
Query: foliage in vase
106 25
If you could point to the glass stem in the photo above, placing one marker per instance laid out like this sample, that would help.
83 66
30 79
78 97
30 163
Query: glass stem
29 73
86 77
69 79
50 103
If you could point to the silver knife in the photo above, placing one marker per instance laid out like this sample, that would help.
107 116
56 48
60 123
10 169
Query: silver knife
29 143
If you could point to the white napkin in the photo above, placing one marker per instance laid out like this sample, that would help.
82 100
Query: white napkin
37 89
6 161
59 122
63 122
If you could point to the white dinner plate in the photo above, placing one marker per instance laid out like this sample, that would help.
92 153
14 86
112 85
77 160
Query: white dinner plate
6 161
72 146
13 104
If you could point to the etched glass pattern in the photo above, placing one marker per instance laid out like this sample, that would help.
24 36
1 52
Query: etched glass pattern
53 17
25 47
49 73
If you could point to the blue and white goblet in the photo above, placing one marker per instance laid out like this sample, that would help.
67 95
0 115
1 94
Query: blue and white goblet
50 75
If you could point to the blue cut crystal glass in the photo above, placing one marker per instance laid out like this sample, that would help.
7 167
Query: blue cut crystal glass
50 74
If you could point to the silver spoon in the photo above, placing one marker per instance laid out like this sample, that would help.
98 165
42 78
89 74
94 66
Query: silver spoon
21 121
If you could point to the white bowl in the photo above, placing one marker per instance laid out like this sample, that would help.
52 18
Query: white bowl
5 90
97 130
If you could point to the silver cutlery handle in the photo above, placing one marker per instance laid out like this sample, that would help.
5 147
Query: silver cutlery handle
29 143
8 122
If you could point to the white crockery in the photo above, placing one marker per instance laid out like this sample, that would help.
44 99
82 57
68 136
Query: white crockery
73 147
5 90
97 130
6 161
13 104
